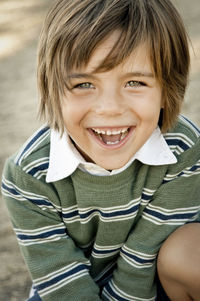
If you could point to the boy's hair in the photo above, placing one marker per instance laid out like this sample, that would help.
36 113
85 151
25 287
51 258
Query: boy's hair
73 29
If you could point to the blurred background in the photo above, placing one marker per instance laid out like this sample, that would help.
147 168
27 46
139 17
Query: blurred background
20 24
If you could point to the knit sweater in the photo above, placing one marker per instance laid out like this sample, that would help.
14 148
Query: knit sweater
95 238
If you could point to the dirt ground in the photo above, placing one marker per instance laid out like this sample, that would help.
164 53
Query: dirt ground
20 23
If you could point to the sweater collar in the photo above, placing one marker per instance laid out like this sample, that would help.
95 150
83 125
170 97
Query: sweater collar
65 159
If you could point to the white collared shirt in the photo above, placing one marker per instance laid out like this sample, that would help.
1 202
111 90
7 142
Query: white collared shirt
65 158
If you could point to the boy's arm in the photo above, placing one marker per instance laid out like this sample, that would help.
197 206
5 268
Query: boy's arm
59 269
175 203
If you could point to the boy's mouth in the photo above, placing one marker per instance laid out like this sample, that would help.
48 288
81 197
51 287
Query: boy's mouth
111 137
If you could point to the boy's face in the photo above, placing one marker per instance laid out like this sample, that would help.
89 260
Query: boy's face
110 115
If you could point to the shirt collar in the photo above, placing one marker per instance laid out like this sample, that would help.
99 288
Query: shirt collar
64 158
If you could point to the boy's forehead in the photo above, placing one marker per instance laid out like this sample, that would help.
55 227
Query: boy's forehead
103 49
138 60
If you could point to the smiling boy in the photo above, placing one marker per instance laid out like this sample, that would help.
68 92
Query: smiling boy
104 199
110 115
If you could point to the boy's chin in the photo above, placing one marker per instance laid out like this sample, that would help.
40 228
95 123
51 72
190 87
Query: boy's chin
106 163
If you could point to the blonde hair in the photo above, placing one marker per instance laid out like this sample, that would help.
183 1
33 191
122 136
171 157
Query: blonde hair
73 29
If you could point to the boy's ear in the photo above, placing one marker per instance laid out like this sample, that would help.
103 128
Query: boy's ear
160 120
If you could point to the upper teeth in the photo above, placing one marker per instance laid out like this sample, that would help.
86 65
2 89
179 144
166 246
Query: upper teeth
110 132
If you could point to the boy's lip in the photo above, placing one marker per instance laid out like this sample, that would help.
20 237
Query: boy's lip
111 137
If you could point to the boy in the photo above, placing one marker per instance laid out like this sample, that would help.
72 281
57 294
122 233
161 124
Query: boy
97 195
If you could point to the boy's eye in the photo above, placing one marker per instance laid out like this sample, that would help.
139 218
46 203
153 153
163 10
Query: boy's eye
134 84
84 86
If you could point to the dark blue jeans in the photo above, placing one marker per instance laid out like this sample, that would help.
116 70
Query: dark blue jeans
161 293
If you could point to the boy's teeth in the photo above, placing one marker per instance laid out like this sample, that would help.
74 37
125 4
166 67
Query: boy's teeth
123 135
111 137
111 143
110 132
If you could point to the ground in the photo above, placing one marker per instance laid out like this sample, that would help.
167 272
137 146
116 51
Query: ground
20 23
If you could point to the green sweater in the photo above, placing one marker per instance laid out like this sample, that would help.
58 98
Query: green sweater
97 238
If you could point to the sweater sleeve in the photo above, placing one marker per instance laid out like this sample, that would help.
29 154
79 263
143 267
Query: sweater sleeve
176 202
59 269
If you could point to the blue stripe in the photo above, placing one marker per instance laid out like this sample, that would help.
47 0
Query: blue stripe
42 235
169 217
146 197
113 294
70 215
167 180
194 168
35 138
103 214
41 167
15 192
177 142
11 190
104 251
53 281
110 214
191 123
136 258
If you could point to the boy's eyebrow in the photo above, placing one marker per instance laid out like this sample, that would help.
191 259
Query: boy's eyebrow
80 75
139 74
91 75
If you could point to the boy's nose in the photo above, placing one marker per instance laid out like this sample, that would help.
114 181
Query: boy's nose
110 103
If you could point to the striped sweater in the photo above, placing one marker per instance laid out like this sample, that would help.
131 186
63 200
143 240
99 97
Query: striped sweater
94 238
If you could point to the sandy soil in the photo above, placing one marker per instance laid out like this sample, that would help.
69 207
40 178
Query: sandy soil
20 23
